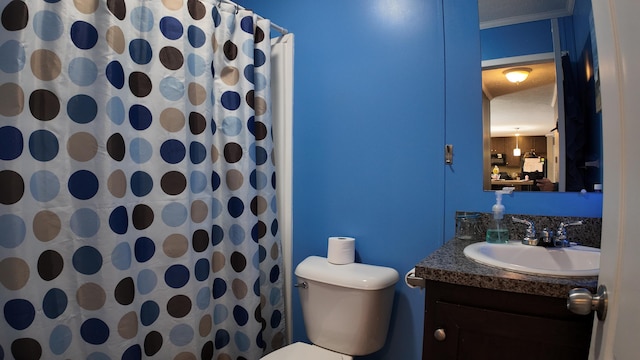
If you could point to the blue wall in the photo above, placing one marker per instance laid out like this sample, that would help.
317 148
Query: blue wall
516 40
374 82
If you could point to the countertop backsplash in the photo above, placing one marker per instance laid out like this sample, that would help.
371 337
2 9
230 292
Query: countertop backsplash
587 234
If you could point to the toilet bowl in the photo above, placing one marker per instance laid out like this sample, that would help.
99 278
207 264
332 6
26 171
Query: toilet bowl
346 310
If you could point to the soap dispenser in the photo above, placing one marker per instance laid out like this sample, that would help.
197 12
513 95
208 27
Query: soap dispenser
497 232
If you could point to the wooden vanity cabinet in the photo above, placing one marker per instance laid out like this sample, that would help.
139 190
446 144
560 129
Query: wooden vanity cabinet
479 324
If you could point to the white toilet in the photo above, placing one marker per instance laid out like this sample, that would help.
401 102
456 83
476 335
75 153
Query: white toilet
346 310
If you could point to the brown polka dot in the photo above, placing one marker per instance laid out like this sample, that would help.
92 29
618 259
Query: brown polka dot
11 99
187 356
116 147
179 306
173 183
14 273
238 261
115 39
91 296
117 184
235 179
232 152
239 289
197 123
140 84
44 105
197 94
172 4
46 225
82 146
171 58
230 75
199 211
259 35
214 154
260 130
224 357
196 9
124 292
230 50
278 341
259 105
172 119
262 229
128 325
142 216
258 205
11 187
45 64
118 8
152 343
200 240
214 43
205 326
175 245
275 251
50 265
15 16
26 348
218 261
86 6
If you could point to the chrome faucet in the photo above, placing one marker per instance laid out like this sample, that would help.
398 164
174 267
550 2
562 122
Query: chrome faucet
560 240
530 235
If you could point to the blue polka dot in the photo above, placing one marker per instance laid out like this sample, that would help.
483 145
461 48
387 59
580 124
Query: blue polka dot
85 222
231 126
13 231
149 312
248 48
276 318
44 185
147 281
87 260
12 57
259 58
82 109
11 143
171 88
54 303
144 249
220 314
242 341
171 28
222 339
121 256
47 25
258 180
196 36
235 206
216 208
176 276
172 151
115 74
60 339
115 110
236 234
259 154
43 145
197 152
215 181
98 356
198 182
240 315
203 298
141 183
19 313
275 296
82 71
249 73
132 353
83 184
140 117
140 51
262 254
219 288
119 220
215 15
230 100
84 35
196 65
142 19
274 274
260 82
94 331
201 270
174 214
217 235
141 150
246 24
181 335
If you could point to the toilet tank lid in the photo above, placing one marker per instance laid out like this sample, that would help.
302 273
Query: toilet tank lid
355 275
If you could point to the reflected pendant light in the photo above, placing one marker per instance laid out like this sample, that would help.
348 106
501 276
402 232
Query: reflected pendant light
516 151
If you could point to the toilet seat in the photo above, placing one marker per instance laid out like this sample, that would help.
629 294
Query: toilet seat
299 350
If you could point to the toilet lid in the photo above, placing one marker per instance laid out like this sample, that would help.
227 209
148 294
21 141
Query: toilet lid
299 350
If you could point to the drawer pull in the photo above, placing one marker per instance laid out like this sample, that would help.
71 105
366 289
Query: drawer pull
439 334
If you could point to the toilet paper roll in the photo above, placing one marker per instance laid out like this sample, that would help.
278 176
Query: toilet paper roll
411 273
341 250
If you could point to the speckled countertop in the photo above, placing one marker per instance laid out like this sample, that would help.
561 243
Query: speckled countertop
448 264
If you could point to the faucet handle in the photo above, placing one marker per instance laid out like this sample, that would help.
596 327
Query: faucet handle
561 234
530 235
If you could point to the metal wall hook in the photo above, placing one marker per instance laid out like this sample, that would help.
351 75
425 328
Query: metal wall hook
303 285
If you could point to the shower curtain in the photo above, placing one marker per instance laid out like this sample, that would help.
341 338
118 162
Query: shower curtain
137 185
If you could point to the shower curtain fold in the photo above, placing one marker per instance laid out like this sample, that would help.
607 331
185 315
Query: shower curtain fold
137 185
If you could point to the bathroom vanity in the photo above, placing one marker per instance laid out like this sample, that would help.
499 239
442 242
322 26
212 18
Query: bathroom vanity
473 311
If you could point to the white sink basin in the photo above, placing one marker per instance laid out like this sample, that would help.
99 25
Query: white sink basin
537 260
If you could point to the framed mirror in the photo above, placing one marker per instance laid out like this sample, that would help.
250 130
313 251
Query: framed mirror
543 131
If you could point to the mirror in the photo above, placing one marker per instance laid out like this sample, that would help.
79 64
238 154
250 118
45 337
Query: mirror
552 118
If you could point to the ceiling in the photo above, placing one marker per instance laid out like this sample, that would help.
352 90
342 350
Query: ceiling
528 106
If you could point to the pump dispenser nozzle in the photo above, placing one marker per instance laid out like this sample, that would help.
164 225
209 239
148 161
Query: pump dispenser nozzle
498 208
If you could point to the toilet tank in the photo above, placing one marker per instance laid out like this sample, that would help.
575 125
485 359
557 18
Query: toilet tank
346 308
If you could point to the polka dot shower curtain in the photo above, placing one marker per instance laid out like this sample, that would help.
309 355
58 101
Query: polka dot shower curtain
137 186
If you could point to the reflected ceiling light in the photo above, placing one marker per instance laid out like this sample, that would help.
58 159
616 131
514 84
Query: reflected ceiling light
516 151
517 75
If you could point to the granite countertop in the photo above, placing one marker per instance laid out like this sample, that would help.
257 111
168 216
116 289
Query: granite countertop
448 264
